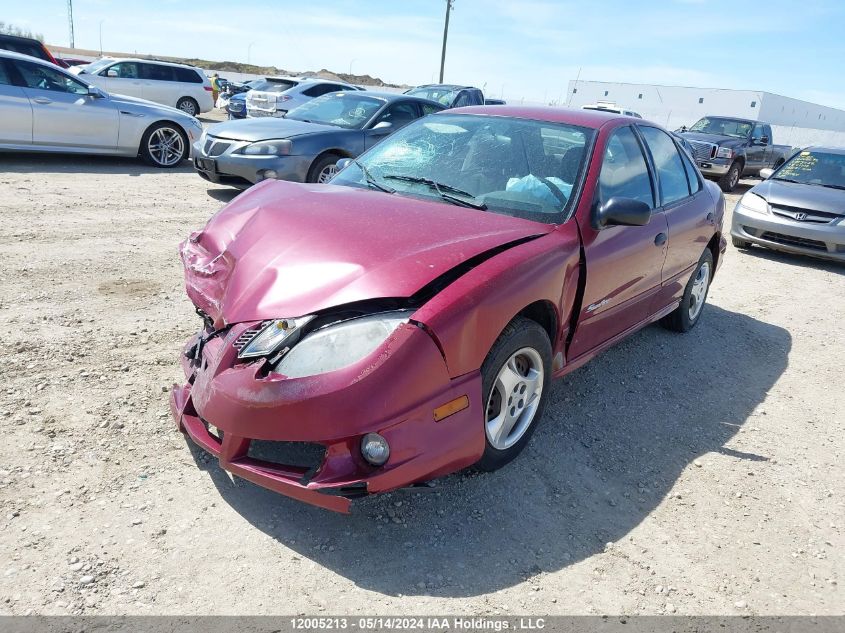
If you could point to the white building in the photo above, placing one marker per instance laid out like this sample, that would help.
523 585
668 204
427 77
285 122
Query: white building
794 122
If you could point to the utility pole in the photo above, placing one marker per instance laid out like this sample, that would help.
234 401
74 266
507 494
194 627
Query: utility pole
70 20
445 35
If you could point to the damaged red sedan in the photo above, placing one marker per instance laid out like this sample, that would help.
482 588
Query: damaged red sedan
405 321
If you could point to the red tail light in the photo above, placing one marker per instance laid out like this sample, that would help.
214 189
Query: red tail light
208 88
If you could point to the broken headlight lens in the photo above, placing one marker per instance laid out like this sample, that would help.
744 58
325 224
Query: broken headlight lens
339 345
272 337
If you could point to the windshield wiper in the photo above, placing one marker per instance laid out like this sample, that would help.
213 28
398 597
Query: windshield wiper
441 189
797 182
370 179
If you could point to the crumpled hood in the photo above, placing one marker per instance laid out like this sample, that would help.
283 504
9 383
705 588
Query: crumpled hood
264 129
801 196
287 249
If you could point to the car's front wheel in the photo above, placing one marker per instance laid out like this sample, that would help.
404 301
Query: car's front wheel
323 169
164 145
687 314
730 180
515 382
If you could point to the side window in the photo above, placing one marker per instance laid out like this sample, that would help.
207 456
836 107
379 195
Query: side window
692 174
428 108
5 79
186 75
624 173
399 114
43 78
767 132
156 72
463 99
122 70
322 89
667 161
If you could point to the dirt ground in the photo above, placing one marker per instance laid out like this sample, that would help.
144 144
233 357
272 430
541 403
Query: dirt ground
687 474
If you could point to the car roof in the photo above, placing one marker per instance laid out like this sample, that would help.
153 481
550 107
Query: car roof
149 61
29 58
449 86
396 96
585 118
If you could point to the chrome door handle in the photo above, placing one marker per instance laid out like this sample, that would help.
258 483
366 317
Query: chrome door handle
42 100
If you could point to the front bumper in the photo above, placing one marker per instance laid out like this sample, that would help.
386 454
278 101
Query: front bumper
239 170
826 241
716 167
393 392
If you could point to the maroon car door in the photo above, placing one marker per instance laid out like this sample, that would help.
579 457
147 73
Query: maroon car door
688 209
624 263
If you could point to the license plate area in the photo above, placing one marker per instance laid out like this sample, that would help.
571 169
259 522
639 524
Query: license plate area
207 164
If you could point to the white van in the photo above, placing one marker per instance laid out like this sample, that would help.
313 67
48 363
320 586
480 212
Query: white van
175 85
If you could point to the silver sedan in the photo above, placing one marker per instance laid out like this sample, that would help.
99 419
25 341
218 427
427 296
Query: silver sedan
799 208
45 109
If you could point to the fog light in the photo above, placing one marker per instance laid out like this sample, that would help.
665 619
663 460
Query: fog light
374 448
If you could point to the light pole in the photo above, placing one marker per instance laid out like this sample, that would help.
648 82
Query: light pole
101 37
350 66
249 53
445 35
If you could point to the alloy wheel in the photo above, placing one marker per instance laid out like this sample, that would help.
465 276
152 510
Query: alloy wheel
166 146
514 398
327 173
698 292
187 106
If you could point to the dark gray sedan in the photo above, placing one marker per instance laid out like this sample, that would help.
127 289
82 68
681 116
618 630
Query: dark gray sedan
799 208
305 145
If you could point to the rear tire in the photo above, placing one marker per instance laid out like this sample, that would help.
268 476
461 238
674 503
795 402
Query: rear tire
687 314
729 181
738 243
323 169
516 376
188 106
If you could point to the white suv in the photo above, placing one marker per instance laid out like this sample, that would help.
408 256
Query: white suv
277 95
175 85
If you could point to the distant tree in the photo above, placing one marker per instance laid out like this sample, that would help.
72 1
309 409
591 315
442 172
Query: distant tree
11 29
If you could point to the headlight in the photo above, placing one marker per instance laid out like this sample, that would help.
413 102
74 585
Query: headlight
753 202
268 148
340 345
725 152
272 337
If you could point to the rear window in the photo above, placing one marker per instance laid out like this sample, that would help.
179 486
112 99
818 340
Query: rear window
275 85
32 48
157 72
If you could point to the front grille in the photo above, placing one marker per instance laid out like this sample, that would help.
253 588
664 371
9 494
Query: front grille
213 147
805 215
704 151
304 455
791 240
247 335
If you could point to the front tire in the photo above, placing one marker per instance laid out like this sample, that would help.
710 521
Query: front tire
164 145
687 314
188 106
323 169
730 180
516 376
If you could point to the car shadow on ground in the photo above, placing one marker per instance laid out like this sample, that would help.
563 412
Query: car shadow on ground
615 438
790 259
224 195
22 163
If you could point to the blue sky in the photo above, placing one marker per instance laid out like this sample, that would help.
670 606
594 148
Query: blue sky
519 49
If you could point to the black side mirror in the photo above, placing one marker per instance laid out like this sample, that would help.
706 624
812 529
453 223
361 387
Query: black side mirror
622 212
764 140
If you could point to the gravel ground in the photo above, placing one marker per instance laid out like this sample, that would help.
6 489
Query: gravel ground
692 474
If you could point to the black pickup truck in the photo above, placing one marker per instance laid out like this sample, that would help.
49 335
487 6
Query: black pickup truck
726 148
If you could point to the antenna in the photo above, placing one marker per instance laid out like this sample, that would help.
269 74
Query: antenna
70 21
